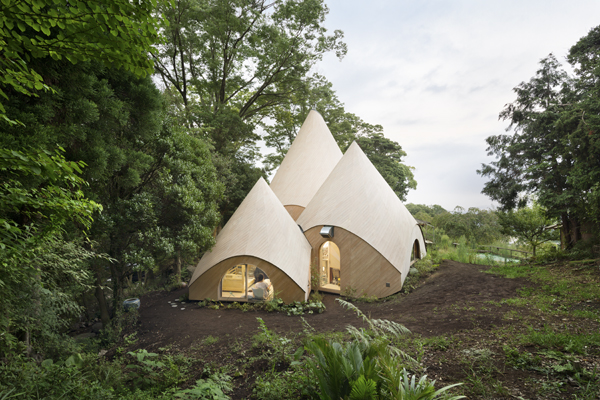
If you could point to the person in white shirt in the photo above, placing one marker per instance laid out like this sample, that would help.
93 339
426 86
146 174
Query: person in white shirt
260 284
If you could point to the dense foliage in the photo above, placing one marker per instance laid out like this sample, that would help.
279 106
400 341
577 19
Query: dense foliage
553 152
476 225
107 180
118 33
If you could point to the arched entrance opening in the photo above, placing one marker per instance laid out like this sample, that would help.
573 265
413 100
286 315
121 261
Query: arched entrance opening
329 266
416 252
244 282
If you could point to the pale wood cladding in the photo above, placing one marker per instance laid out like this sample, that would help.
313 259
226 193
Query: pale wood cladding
356 197
207 285
261 228
362 267
294 211
311 157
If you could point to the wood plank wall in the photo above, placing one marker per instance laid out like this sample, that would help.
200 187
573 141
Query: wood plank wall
207 285
362 267
294 211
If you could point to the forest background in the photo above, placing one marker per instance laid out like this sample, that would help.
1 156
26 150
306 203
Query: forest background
129 136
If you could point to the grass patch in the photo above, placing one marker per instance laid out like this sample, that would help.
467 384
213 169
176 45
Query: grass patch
210 340
567 342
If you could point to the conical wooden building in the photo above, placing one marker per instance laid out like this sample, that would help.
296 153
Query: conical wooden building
363 238
309 160
260 238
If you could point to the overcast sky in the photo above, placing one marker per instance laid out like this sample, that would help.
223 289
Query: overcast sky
436 74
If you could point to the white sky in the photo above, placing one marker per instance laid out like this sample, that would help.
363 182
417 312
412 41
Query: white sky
436 74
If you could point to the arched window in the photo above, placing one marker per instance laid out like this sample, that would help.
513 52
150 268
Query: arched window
244 282
329 266
416 252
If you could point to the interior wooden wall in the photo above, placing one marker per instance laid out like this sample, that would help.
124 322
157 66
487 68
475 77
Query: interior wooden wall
362 267
294 211
207 285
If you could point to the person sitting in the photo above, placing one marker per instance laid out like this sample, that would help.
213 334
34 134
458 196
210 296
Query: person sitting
260 284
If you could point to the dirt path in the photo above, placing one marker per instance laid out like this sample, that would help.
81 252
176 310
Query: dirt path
441 305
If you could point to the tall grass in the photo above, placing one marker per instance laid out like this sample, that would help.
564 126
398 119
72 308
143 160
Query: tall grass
465 252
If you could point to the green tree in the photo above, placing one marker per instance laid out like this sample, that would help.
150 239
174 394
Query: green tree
584 139
538 157
554 152
227 63
155 180
118 33
241 56
529 224
477 225
40 274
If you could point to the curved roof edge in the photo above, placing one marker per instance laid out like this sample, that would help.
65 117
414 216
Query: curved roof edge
357 198
262 228
313 154
305 288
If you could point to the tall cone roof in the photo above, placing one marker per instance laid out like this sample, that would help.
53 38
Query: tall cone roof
311 157
261 227
357 198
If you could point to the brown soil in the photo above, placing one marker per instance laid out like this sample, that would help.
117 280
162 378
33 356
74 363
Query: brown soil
435 308
459 301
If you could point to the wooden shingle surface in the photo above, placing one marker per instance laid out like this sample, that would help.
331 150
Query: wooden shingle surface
261 228
356 198
309 160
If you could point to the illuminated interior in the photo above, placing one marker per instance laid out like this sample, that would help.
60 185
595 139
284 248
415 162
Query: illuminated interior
330 266
241 283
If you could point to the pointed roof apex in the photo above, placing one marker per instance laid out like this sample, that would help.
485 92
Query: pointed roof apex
309 160
357 198
262 228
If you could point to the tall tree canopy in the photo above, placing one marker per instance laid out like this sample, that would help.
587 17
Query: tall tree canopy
155 180
239 55
118 33
226 63
554 149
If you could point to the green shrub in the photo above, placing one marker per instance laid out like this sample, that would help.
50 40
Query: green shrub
368 367
212 388
316 296
445 242
76 378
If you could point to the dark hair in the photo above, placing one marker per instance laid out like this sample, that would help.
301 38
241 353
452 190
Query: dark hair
260 278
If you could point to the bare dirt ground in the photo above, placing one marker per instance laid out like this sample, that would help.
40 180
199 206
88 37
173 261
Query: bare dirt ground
433 309
459 302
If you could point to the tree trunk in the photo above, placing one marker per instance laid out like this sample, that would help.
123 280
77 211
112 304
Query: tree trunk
104 315
576 229
28 343
178 267
117 280
87 306
565 232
